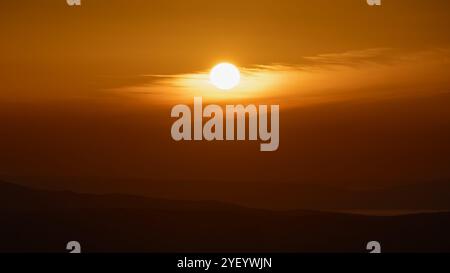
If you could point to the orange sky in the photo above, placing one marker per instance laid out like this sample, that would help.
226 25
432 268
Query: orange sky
87 91
63 51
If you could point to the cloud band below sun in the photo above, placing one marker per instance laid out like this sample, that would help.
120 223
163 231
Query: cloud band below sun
369 74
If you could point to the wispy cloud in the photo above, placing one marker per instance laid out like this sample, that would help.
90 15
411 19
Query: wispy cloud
372 73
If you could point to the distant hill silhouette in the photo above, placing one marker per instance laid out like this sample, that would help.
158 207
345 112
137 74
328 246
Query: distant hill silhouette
44 221
17 197
431 195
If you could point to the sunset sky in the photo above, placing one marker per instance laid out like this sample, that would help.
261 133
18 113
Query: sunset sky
363 91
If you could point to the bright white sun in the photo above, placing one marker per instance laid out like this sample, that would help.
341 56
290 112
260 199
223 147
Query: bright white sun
225 76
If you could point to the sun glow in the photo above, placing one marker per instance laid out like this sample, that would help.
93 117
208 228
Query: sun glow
225 76
254 84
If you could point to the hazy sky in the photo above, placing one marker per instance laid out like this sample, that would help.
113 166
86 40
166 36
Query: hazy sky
87 91
50 48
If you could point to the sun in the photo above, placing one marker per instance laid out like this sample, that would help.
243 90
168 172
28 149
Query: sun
225 76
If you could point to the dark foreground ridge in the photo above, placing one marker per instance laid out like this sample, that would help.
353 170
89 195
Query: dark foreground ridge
44 221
